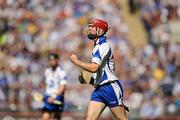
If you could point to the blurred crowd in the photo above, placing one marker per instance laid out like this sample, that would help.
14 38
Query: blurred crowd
29 29
153 71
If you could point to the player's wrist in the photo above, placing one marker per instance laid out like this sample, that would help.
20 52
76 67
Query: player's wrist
77 62
54 96
51 99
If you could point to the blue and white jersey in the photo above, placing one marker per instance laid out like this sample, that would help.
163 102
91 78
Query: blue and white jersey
102 55
54 79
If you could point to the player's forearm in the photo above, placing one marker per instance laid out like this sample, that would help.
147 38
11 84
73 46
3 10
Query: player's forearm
87 66
61 90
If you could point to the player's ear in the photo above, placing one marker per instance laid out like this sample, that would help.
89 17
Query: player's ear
100 31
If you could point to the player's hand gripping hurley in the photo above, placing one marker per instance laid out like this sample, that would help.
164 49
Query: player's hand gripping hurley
39 97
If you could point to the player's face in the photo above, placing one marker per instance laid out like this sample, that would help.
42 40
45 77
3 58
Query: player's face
91 29
92 32
53 62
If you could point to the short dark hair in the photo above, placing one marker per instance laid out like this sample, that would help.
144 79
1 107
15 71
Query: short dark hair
53 56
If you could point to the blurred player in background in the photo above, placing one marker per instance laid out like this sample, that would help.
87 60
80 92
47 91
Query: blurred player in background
108 90
55 78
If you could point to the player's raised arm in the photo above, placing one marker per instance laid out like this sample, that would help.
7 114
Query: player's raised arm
91 67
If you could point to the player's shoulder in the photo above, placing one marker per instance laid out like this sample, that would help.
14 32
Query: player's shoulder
104 46
60 69
47 70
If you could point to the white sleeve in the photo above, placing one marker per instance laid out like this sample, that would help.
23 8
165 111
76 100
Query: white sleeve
100 54
63 78
45 75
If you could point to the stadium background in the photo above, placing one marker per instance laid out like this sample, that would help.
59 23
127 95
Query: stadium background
144 35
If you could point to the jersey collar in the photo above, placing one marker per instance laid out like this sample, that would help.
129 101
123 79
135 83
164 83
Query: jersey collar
101 40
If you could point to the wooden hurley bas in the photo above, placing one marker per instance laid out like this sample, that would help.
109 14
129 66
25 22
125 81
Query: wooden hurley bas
85 77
